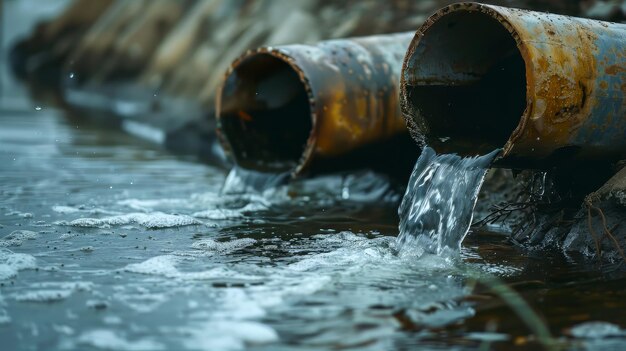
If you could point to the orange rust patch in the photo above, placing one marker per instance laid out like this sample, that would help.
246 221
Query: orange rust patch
614 69
559 83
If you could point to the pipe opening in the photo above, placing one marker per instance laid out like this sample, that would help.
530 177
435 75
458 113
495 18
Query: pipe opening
467 80
265 114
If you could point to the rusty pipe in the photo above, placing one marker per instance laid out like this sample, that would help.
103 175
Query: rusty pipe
543 87
284 108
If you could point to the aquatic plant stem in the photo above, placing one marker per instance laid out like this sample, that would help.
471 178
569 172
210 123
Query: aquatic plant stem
519 306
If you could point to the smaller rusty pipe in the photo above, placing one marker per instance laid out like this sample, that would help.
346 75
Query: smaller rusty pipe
285 108
546 88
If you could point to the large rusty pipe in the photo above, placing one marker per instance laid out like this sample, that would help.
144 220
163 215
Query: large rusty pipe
545 88
284 108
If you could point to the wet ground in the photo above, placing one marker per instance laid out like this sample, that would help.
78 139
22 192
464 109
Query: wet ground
111 243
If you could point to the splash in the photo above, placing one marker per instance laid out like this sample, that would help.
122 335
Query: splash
244 181
437 209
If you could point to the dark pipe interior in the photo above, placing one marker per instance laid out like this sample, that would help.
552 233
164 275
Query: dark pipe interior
265 114
467 79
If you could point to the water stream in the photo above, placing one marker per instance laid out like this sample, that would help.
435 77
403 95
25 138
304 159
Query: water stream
437 209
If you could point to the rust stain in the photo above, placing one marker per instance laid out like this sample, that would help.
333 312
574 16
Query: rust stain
352 85
563 66
614 69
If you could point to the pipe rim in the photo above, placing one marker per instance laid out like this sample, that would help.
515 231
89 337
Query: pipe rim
494 12
307 154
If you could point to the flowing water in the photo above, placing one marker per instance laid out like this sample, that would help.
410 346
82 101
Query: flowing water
109 243
437 208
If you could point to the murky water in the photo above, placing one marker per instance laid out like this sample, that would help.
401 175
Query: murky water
112 244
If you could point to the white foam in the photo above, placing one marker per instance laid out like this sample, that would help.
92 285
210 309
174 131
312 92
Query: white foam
219 214
222 247
596 330
4 317
11 263
51 291
76 286
166 266
17 238
159 265
65 209
142 302
238 304
105 339
152 220
43 295
149 205
19 214
224 214
230 335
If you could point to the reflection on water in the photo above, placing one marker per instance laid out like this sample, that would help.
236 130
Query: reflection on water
110 244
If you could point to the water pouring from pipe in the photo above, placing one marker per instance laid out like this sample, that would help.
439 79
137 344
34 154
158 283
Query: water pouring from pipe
437 209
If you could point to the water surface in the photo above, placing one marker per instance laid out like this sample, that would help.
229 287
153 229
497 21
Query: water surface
110 243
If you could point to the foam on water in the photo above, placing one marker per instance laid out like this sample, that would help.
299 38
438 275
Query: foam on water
226 214
437 209
596 330
159 265
153 220
16 238
229 335
65 209
166 266
43 296
11 263
243 181
51 291
210 245
105 339
78 209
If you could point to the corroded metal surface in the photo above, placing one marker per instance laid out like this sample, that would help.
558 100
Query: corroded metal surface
352 89
575 83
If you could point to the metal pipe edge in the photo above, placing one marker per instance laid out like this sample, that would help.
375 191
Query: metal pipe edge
351 90
574 84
